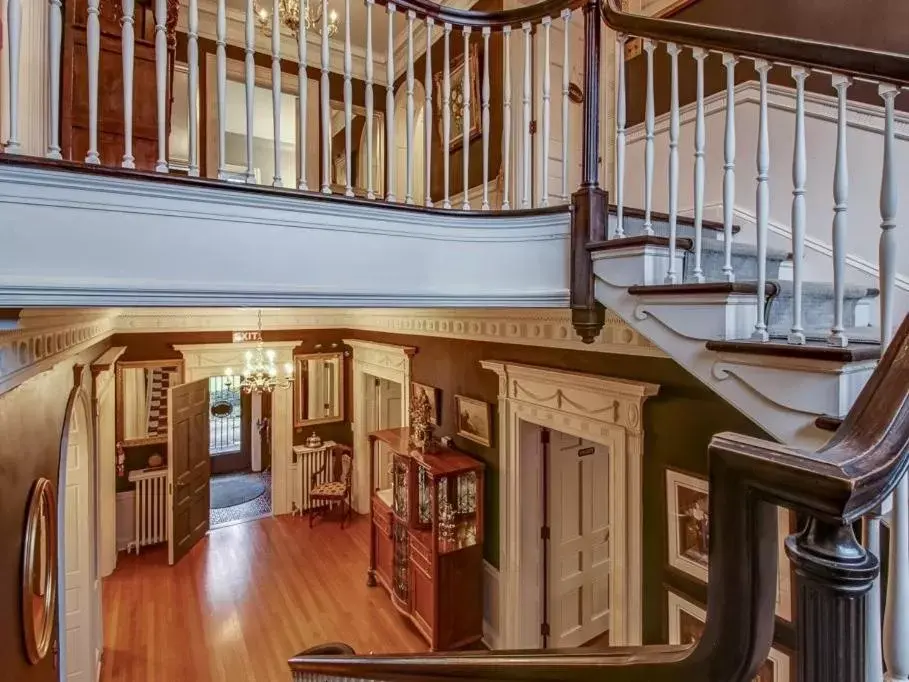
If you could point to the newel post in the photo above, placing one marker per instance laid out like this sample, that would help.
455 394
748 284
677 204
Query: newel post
589 205
833 576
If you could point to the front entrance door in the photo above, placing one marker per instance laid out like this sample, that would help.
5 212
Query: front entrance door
188 467
579 563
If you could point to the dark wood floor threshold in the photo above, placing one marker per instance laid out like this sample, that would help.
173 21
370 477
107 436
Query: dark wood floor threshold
828 422
632 212
812 350
285 192
770 288
683 243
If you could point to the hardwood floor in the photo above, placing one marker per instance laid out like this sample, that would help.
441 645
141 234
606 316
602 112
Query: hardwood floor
244 600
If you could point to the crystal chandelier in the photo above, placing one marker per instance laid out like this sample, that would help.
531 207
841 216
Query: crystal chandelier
260 375
292 14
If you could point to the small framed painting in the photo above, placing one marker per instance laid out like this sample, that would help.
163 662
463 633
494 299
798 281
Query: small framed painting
688 523
686 625
474 420
433 394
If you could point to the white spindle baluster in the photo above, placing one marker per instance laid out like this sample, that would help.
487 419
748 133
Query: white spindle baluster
874 661
485 96
763 201
547 103
326 111
370 107
649 124
697 274
128 49
408 165
391 148
348 104
428 114
276 89
729 61
93 50
192 56
250 70
446 117
840 222
673 50
887 248
621 107
799 173
303 93
506 122
566 83
526 121
55 43
465 120
161 60
221 56
14 23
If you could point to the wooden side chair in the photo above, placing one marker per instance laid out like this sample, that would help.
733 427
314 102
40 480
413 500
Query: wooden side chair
336 474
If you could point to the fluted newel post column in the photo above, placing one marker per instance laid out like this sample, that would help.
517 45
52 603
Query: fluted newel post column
833 576
590 202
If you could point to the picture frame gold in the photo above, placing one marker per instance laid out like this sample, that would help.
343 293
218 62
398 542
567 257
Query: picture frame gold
474 420
39 570
456 136
435 399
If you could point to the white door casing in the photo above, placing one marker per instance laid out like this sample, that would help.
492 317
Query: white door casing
79 584
600 409
579 561
381 361
202 361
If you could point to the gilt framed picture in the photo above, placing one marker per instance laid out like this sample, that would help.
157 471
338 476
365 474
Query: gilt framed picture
474 420
686 625
688 509
434 395
456 99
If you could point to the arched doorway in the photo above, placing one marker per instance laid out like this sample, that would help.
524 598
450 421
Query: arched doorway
78 583
418 155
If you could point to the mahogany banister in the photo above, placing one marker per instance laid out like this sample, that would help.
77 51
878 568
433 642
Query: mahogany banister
495 20
875 65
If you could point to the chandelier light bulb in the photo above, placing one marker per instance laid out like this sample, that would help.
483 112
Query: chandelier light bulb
288 369
270 354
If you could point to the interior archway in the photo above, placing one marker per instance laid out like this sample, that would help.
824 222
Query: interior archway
418 155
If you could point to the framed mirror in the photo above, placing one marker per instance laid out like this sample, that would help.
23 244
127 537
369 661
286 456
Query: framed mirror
358 150
318 388
142 399
39 570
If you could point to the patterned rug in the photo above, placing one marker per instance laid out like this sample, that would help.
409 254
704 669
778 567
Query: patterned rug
248 511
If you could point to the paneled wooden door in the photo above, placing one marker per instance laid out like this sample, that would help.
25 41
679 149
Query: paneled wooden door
579 557
188 467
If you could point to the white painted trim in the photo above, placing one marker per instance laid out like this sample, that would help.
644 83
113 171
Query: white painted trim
862 116
491 606
383 361
600 409
202 361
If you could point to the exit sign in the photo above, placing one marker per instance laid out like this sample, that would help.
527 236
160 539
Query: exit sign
244 337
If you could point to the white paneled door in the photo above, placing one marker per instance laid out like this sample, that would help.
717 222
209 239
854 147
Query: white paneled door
579 562
81 587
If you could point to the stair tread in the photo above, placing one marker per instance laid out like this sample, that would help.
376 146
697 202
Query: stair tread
770 288
858 351
683 243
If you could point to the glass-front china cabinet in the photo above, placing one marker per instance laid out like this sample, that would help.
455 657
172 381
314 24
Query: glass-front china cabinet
426 545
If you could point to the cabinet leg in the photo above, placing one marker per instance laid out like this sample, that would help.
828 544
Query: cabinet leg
371 578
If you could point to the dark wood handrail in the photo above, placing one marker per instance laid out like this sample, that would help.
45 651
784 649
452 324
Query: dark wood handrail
496 20
875 65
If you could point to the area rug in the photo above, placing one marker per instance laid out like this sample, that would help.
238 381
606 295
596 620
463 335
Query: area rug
233 489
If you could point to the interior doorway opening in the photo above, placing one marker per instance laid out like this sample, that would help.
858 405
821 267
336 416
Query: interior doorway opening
572 526
383 411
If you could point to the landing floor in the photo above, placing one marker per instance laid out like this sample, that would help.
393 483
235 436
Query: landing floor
246 599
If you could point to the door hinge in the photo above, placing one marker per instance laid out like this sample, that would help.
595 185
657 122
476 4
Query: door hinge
544 629
544 532
544 436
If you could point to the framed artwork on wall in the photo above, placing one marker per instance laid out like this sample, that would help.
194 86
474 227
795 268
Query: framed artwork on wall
435 399
686 625
474 420
456 99
688 516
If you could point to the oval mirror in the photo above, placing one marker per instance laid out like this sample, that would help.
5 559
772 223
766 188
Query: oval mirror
39 570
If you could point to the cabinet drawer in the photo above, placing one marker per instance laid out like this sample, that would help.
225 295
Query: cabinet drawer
381 517
420 559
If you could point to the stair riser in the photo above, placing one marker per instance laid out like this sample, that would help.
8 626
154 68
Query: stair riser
634 226
744 267
817 312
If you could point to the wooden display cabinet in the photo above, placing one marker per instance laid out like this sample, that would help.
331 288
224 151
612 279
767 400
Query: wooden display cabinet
426 542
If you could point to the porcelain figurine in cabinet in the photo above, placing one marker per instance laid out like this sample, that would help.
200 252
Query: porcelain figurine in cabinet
426 543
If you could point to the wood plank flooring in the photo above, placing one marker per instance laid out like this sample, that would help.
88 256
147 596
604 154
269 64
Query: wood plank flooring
246 599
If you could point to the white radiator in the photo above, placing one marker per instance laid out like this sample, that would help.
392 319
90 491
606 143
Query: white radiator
309 461
151 507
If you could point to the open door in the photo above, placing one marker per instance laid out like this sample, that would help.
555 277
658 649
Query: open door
188 467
